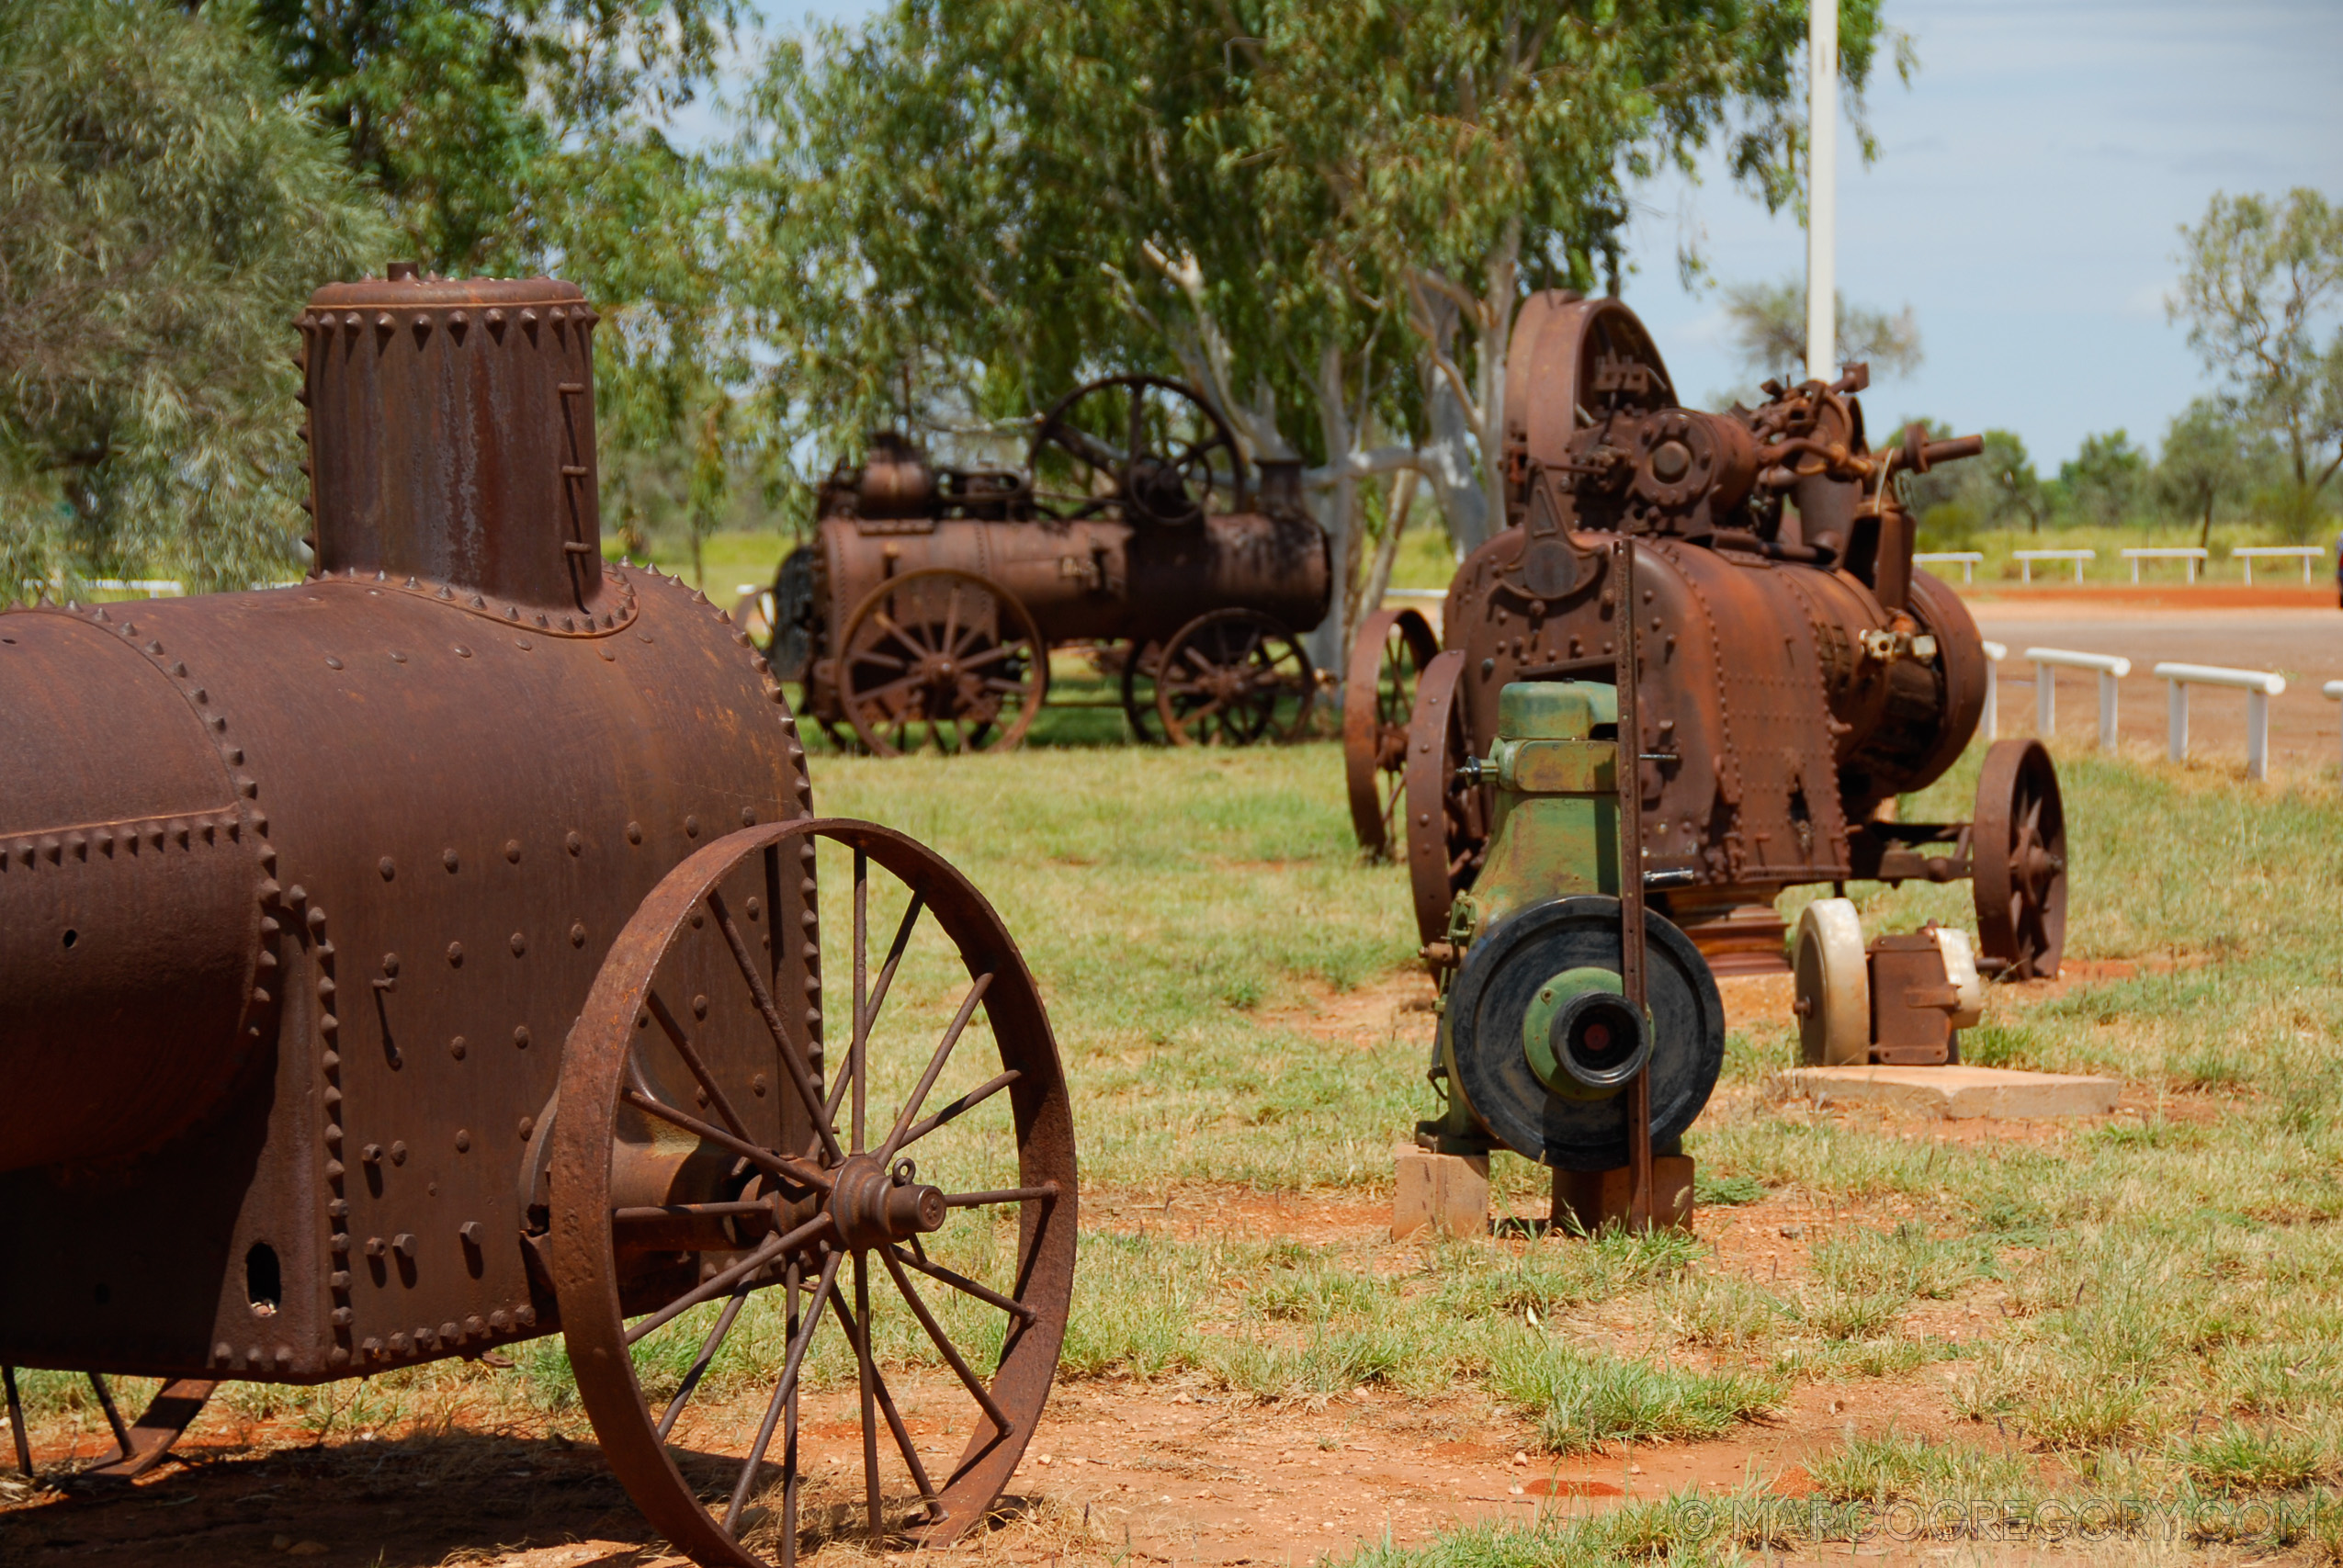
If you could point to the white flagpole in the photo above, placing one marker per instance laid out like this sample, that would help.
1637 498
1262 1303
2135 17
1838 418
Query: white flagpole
1822 190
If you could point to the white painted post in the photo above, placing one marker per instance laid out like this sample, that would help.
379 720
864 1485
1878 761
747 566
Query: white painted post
2333 690
2026 571
2175 723
2259 686
2249 568
2108 668
1990 720
2046 701
2135 565
1822 190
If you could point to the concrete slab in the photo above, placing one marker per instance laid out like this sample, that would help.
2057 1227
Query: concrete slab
1959 1093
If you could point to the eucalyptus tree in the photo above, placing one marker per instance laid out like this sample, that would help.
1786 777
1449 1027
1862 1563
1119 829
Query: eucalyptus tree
470 116
1324 214
2261 290
164 214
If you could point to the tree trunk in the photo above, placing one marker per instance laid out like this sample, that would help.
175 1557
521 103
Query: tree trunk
1386 550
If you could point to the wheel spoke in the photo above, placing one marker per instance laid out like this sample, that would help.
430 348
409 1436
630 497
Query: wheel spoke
894 1419
862 989
683 1043
707 1290
653 1213
951 1352
909 639
887 689
870 1013
993 655
865 1373
966 1286
935 1066
968 1102
781 1392
700 1362
798 1073
950 639
113 1416
783 1165
873 656
1046 1192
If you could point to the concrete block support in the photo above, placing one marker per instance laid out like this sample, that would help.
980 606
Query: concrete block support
1445 1193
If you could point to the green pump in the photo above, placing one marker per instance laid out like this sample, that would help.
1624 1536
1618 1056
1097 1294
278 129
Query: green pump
1537 1043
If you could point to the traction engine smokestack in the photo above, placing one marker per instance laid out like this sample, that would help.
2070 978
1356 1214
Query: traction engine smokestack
451 427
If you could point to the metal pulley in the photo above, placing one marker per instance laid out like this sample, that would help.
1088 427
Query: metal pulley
1902 1000
1833 983
1543 1045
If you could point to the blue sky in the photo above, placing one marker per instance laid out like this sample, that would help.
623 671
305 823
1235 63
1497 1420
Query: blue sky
2025 203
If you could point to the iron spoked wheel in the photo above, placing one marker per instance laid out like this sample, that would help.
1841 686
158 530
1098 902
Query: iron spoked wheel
941 657
1147 447
1386 665
1140 665
1231 678
1447 821
725 1211
2018 876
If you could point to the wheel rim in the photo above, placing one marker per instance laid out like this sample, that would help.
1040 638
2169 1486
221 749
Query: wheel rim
1231 678
756 1192
1447 821
1378 699
941 659
2017 846
1138 691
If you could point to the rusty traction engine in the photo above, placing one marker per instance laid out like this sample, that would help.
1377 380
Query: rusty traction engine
428 956
925 609
1730 599
1797 673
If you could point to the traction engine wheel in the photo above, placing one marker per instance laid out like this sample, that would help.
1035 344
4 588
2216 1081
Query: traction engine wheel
1386 665
1447 820
1149 450
944 658
1232 677
2019 845
709 1182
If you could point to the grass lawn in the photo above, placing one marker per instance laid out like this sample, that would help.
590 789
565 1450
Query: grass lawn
2147 1306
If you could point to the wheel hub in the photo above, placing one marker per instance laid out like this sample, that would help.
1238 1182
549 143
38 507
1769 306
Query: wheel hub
873 1206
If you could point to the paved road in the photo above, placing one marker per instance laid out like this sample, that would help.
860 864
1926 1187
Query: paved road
2301 641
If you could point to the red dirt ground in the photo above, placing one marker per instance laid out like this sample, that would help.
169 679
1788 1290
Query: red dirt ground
1159 1473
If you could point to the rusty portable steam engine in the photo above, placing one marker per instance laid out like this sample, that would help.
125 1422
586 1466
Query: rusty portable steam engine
1797 673
925 609
429 957
1698 667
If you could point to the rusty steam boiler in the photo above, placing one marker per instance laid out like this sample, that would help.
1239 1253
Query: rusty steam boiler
430 956
1795 673
925 609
